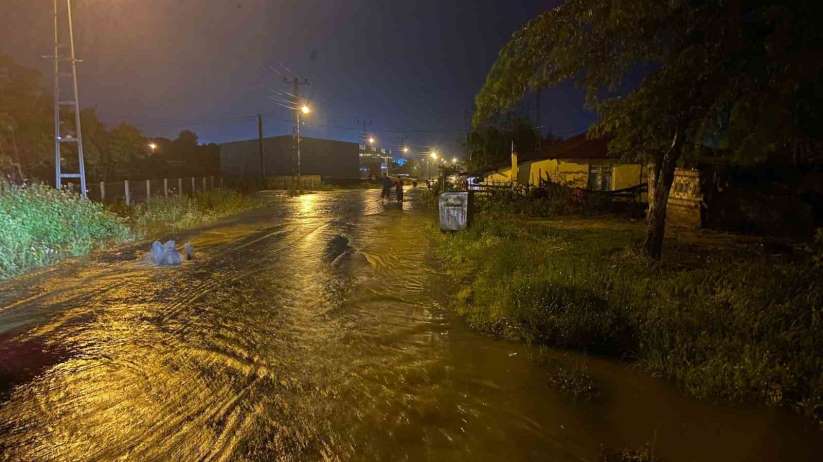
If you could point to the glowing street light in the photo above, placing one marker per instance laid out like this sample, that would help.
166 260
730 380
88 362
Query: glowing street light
305 109
371 140
153 146
454 160
405 149
434 155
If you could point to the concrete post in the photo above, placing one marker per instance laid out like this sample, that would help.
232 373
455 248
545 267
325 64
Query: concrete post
102 191
204 183
148 189
179 186
126 188
192 185
165 187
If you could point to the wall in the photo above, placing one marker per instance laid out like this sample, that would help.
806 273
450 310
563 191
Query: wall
627 175
329 158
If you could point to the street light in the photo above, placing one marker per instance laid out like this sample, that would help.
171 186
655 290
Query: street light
405 149
305 109
434 155
153 146
371 140
454 160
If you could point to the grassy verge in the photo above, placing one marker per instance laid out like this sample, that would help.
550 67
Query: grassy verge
162 215
726 320
40 225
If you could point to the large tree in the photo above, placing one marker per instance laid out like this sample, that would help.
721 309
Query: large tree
669 78
490 143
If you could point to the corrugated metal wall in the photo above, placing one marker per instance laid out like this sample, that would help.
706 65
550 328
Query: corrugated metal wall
328 158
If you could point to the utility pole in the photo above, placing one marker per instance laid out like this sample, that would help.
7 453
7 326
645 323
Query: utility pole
296 82
74 103
538 98
260 149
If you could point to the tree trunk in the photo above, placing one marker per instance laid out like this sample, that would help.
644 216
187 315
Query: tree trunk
656 217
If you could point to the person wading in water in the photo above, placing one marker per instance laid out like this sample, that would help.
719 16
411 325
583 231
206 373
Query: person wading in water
387 184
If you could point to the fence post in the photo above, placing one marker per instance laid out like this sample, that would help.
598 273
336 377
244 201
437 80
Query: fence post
148 189
126 188
204 183
102 191
193 188
165 187
180 186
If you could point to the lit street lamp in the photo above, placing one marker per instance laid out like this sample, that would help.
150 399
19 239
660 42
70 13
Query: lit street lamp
153 147
305 109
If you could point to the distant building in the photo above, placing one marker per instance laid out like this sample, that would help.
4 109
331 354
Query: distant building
326 158
373 161
577 162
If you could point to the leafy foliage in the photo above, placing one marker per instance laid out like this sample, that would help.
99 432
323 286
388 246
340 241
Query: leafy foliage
743 72
490 144
26 131
40 225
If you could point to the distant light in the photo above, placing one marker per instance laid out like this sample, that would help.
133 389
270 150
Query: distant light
153 146
454 160
434 155
371 140
305 109
405 149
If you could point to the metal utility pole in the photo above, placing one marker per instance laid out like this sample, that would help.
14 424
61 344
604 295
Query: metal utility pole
260 148
73 102
296 82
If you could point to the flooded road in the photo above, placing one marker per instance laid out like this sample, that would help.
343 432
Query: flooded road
312 330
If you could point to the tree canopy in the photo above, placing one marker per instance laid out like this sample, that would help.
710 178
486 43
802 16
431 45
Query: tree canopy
26 137
745 74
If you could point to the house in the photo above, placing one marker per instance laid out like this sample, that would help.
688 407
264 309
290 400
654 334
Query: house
577 162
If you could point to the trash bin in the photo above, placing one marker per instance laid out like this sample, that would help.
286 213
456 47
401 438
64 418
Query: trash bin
454 211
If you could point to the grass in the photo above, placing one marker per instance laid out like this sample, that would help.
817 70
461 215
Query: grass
162 215
727 320
40 225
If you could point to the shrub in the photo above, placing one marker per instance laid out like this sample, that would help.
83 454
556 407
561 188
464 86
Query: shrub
39 225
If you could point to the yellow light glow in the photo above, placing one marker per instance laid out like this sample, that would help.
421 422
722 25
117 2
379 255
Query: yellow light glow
371 140
305 109
153 146
405 149
434 155
454 160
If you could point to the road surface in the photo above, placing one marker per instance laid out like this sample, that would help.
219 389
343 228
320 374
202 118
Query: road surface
314 329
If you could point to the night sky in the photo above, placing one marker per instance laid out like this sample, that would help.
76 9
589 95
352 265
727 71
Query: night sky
410 68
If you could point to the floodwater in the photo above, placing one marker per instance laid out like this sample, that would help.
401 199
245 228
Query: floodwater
315 329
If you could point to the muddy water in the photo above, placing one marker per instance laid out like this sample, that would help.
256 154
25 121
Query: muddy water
314 330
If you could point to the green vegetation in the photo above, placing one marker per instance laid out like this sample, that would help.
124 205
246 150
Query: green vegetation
162 215
674 82
40 225
725 319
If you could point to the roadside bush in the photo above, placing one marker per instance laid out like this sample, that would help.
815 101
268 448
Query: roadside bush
39 225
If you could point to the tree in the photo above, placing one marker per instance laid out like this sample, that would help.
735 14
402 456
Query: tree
666 77
490 143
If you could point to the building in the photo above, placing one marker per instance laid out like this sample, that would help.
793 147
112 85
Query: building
319 157
374 161
578 162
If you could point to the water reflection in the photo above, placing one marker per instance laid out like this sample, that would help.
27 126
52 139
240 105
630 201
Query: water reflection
312 330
